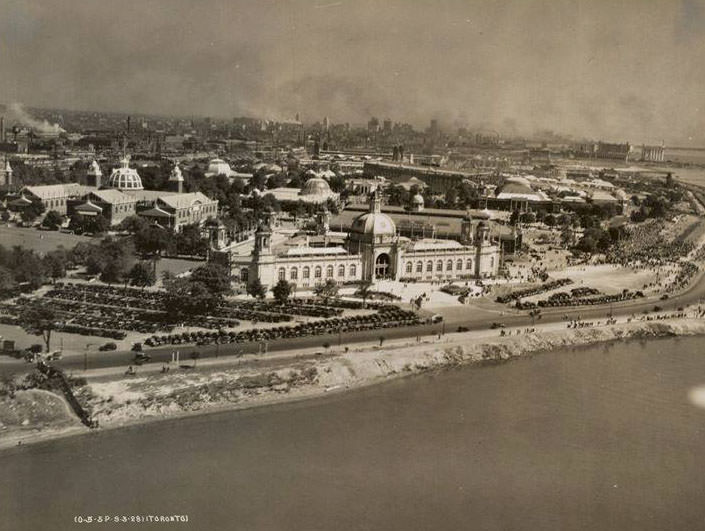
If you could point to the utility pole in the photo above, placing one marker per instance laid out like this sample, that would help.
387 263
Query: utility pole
85 356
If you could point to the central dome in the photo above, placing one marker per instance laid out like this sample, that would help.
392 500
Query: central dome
515 185
316 186
375 224
125 178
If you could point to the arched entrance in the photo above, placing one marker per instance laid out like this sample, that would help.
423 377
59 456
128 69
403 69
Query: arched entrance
382 266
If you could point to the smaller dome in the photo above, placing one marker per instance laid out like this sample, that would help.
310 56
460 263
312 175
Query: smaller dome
218 167
125 178
316 186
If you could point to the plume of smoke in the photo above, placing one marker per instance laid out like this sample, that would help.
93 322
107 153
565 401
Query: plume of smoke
19 114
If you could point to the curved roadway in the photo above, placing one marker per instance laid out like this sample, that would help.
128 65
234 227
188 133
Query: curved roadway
476 319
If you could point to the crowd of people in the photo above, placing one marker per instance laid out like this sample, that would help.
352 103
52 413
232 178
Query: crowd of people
645 246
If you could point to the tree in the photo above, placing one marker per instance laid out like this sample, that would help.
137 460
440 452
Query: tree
94 264
364 291
7 282
514 218
300 210
112 273
215 277
277 180
152 241
94 224
52 220
38 320
567 236
256 289
133 224
281 291
32 211
27 267
185 297
190 242
56 262
327 290
587 244
142 275
451 197
112 259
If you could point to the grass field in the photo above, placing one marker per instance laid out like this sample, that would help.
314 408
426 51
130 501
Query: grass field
39 240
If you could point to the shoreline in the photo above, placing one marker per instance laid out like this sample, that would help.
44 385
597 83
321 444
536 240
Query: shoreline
349 371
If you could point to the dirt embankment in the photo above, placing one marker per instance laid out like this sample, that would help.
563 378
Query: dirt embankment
35 414
126 401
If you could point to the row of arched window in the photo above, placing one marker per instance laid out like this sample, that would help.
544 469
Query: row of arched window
51 203
318 272
449 266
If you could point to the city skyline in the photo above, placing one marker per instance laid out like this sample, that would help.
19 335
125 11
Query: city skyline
590 70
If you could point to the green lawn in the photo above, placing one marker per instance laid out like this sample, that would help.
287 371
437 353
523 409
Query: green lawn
39 240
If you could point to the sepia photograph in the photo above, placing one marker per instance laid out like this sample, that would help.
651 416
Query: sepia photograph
346 265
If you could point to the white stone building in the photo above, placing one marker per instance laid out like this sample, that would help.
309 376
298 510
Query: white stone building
372 250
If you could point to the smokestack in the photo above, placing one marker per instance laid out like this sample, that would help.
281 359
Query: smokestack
2 129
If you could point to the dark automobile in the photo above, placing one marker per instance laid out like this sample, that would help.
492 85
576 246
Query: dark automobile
141 358
107 346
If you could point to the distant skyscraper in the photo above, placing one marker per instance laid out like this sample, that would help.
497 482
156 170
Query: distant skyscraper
434 127
387 127
326 123
373 125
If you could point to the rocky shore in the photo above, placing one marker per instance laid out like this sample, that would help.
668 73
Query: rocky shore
124 400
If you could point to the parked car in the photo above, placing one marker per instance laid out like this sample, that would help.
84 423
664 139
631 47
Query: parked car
141 358
108 346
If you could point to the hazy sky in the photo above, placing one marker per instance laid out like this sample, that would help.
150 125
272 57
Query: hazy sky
615 69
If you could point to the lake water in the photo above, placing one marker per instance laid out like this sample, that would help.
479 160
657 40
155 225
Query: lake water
605 437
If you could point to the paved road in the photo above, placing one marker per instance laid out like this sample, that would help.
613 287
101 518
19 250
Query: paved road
474 319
